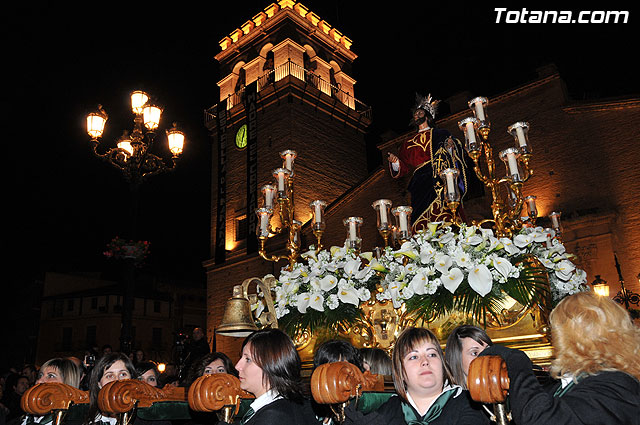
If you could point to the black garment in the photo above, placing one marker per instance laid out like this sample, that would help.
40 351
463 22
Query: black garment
460 410
606 398
194 351
283 412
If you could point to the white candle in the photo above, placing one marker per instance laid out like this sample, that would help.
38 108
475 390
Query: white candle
471 135
522 139
281 181
403 221
554 221
264 223
549 245
352 230
318 213
513 164
479 111
451 186
287 161
268 198
383 214
532 207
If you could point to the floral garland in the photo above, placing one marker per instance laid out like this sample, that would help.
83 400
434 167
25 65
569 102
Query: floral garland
122 248
436 271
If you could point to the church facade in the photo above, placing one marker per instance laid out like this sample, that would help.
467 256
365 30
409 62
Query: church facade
287 86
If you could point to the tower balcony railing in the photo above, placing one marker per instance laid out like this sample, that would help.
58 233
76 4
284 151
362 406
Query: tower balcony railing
290 68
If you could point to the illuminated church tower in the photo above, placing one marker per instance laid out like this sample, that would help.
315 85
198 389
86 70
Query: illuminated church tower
286 86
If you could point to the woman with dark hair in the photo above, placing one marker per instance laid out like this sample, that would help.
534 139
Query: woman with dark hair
423 387
110 367
376 361
464 344
269 368
209 364
329 352
597 364
337 351
147 371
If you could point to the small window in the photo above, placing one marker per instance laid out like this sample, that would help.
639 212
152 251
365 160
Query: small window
241 228
157 307
94 303
67 334
91 335
156 337
70 304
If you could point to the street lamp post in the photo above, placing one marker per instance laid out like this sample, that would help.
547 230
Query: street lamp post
133 157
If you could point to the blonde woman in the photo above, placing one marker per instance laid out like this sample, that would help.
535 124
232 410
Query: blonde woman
597 351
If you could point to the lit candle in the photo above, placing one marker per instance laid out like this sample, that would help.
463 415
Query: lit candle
264 223
451 185
269 192
403 221
318 213
383 214
479 110
287 162
352 230
531 203
554 220
522 139
471 134
281 181
549 245
513 164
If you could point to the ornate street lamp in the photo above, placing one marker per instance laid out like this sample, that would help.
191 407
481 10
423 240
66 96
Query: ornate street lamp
133 157
132 153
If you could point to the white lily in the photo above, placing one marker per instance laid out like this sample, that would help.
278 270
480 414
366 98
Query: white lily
419 283
480 279
302 302
564 269
348 295
427 252
503 266
328 282
522 240
317 301
509 246
452 279
442 262
352 267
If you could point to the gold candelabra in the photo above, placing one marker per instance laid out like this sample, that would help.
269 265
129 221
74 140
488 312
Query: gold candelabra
281 195
506 191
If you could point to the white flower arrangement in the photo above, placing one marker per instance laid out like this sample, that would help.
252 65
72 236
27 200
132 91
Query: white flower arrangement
330 285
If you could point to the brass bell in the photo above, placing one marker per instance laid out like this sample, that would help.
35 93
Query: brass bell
237 320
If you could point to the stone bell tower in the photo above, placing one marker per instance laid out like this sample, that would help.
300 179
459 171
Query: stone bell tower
286 86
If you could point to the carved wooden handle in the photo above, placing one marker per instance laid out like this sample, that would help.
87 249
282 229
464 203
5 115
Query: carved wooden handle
210 393
122 396
488 380
337 382
41 399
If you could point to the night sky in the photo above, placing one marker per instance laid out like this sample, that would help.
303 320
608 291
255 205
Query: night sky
64 59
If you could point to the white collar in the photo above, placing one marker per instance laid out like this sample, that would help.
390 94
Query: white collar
109 419
567 379
446 388
265 399
422 130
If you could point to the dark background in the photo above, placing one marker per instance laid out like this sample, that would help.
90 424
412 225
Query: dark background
62 60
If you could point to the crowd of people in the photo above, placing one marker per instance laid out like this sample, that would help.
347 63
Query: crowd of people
596 370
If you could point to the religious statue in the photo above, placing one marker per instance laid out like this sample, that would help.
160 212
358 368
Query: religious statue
429 152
